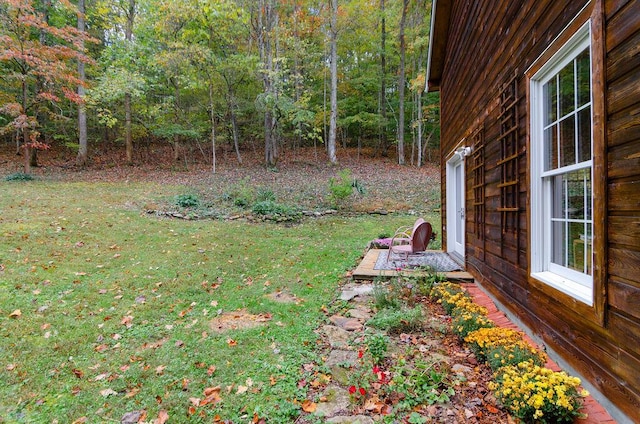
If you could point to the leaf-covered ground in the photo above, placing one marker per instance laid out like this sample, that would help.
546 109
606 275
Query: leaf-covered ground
301 178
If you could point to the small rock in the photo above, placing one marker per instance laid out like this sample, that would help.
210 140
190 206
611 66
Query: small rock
359 314
338 338
337 399
461 369
337 357
353 290
349 324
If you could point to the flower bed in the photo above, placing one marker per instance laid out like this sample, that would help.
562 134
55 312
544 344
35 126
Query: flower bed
530 392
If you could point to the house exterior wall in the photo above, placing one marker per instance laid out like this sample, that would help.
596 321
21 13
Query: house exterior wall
492 49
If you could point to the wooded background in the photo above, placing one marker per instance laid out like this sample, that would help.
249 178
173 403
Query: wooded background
206 75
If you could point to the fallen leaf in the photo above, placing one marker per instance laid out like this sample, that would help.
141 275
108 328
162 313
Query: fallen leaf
211 370
241 390
127 321
231 342
80 420
309 406
108 392
160 369
101 376
15 314
212 396
131 393
78 373
491 409
163 416
11 367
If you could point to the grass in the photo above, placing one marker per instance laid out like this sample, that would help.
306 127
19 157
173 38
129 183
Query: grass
115 306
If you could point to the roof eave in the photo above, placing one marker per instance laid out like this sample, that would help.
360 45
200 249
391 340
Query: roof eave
439 31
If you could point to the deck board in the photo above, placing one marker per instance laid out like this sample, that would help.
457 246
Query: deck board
365 271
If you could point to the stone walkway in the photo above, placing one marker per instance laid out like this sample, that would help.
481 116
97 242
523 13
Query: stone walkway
335 401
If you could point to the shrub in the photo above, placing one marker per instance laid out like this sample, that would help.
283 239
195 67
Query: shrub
536 394
342 187
19 176
269 208
241 195
502 356
187 200
502 346
468 321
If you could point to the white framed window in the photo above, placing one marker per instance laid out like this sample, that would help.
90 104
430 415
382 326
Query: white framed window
561 169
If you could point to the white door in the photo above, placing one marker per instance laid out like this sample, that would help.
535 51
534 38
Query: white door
455 205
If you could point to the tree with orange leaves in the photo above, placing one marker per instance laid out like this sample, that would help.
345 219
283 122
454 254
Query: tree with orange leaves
39 64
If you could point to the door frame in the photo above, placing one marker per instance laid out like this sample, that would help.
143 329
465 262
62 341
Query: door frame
456 222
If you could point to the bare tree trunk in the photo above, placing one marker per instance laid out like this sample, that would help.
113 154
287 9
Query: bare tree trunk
212 116
401 84
128 140
333 120
25 132
81 159
266 19
383 85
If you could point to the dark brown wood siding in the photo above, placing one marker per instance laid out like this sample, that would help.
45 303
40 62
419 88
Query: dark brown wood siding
488 44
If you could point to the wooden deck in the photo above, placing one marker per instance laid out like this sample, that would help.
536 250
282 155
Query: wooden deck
365 271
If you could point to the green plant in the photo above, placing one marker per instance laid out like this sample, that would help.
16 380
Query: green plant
421 384
384 296
343 186
536 394
396 321
264 194
269 208
465 322
187 200
241 194
416 418
19 176
377 345
502 355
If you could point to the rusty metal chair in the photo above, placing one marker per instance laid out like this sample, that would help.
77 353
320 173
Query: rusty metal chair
406 243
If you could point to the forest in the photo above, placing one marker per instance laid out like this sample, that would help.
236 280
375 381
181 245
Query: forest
205 76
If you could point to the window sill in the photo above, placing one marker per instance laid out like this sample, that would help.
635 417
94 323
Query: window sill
569 287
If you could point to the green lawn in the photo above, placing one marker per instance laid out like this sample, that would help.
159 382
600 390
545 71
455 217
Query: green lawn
105 310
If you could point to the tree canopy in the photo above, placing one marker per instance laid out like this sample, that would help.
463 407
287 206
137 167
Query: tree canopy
202 75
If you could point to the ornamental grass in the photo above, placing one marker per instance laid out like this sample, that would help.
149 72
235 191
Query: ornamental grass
536 394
